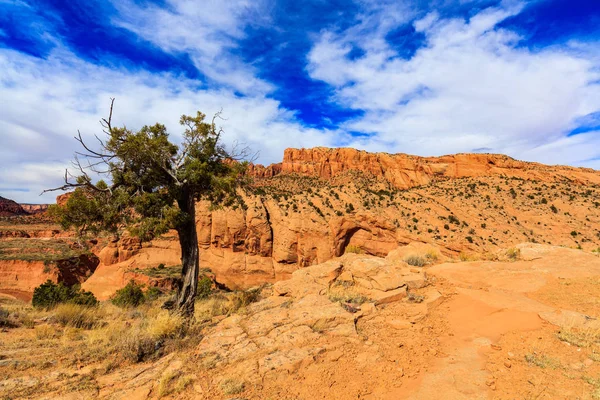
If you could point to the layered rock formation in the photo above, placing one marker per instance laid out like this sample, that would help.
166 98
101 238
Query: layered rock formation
34 208
25 275
319 202
404 171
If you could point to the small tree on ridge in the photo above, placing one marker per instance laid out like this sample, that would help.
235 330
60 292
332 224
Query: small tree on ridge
153 186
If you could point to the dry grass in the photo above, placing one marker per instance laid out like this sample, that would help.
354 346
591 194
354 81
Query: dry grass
76 316
340 292
542 360
164 385
432 255
225 304
232 386
165 325
353 249
106 338
580 337
415 260
467 257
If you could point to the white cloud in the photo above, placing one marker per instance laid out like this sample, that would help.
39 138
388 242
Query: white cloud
207 32
470 87
43 104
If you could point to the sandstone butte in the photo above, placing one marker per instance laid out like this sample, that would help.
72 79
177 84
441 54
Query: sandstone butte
315 203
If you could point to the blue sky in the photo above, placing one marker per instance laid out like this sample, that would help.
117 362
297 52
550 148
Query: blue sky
412 76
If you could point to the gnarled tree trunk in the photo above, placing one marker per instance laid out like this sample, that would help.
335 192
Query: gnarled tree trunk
190 258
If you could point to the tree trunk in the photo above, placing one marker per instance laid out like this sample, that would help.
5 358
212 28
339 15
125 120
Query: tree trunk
190 258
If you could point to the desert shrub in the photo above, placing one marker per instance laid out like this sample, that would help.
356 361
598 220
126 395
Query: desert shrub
554 209
204 287
469 239
513 253
77 316
48 295
415 261
453 220
131 295
353 249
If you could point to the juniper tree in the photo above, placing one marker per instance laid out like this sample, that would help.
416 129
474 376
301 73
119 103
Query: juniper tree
152 186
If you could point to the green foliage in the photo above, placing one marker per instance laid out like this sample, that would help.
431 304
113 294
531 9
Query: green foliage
87 212
153 181
204 287
131 295
554 209
48 295
153 293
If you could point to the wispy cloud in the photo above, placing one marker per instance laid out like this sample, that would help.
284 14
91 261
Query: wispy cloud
471 86
44 104
207 33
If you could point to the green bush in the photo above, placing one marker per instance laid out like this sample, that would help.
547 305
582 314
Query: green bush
204 287
48 295
131 295
153 293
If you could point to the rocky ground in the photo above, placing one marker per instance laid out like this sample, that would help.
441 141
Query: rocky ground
359 326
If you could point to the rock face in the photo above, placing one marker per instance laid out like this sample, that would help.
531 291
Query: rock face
9 208
404 171
34 208
24 276
319 202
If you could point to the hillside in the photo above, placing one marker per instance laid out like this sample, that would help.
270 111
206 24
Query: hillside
317 202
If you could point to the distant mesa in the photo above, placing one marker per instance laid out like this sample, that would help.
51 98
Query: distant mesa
10 208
